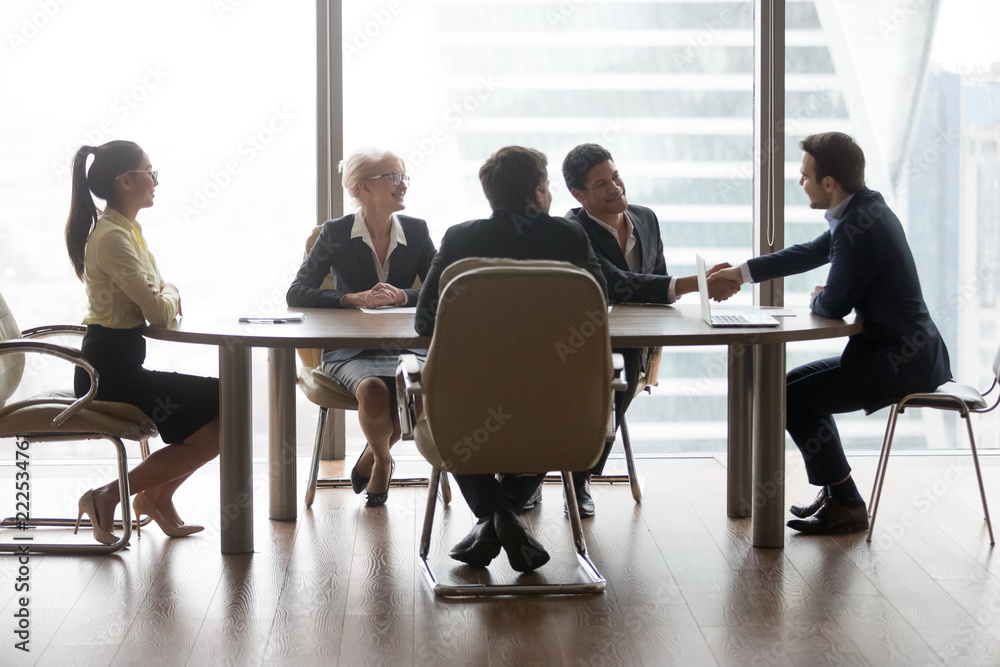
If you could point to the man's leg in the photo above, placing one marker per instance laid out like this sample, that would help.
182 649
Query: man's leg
814 393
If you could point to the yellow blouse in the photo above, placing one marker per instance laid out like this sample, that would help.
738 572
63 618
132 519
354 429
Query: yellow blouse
123 284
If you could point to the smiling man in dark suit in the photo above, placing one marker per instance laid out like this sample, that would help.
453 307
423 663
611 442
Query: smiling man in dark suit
516 183
900 350
629 247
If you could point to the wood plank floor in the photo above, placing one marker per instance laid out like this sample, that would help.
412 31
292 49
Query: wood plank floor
341 585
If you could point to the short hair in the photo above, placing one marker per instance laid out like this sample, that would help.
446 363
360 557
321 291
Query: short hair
359 166
580 161
836 155
511 175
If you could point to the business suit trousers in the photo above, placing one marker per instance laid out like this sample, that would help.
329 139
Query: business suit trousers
814 393
485 494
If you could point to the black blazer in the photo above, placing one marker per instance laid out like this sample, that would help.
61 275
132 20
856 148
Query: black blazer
872 272
511 234
651 283
354 268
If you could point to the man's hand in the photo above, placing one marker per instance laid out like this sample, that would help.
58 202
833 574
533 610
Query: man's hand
723 281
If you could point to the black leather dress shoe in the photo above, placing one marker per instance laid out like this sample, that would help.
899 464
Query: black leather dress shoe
584 501
802 511
524 552
358 483
534 500
479 547
833 517
379 499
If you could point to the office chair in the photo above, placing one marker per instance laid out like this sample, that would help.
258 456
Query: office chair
952 396
519 314
60 416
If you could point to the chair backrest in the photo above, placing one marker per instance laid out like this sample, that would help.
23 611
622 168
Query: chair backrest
518 373
11 365
996 365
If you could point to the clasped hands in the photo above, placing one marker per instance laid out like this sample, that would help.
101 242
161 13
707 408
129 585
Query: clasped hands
724 281
382 294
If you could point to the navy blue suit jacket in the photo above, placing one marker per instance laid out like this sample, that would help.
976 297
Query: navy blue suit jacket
651 283
354 268
873 273
511 234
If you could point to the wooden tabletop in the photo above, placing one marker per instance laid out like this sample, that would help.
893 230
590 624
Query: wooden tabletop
631 326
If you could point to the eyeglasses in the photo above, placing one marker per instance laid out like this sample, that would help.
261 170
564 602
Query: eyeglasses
152 173
394 177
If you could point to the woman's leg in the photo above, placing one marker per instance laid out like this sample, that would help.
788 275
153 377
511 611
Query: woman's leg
159 474
380 424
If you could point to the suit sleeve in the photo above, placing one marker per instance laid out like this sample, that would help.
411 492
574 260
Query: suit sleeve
305 291
852 268
427 300
423 266
790 261
593 264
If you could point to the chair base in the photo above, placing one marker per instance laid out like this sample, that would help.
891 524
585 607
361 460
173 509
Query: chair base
593 582
25 544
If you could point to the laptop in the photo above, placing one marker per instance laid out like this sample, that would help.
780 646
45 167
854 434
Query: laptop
731 318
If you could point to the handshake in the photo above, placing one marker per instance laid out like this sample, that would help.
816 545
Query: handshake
723 281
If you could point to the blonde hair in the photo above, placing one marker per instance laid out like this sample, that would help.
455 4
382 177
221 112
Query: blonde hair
359 166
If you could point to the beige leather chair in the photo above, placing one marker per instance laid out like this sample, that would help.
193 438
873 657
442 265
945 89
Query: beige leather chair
647 378
61 416
501 342
329 394
959 398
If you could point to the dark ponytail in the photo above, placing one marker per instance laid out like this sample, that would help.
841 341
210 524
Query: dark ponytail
110 161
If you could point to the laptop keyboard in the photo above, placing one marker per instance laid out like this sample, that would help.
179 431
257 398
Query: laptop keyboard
730 319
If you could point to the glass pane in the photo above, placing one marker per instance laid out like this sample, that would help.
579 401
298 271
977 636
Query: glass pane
926 119
667 87
220 95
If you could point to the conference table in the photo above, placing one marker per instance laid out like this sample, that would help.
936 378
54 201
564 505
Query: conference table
756 398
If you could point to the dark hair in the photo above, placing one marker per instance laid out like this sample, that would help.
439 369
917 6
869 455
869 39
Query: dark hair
110 161
511 175
580 161
837 155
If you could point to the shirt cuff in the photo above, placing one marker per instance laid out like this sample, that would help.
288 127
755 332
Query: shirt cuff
671 295
745 272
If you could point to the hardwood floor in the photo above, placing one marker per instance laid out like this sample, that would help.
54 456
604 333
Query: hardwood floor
341 585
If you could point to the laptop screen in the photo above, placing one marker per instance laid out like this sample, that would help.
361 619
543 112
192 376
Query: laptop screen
706 308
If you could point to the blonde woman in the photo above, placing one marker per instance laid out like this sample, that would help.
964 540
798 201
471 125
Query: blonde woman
376 256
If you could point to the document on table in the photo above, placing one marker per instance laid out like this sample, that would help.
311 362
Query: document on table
389 309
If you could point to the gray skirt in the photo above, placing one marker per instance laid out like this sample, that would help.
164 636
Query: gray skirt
370 363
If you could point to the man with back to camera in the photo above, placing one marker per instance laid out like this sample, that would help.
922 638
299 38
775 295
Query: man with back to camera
629 247
516 183
900 350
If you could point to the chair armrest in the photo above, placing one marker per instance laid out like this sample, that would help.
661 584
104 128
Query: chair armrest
617 365
69 354
407 388
54 330
617 384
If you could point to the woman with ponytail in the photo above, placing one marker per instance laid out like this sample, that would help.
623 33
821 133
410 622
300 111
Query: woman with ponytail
125 290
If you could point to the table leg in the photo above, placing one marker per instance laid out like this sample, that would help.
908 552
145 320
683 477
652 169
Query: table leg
235 450
739 495
769 447
281 445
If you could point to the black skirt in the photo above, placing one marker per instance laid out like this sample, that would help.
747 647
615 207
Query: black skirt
178 404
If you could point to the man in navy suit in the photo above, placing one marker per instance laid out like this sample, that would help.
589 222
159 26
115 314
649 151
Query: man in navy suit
629 247
516 183
900 350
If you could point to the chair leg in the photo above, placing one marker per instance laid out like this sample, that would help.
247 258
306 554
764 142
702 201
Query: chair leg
317 449
144 447
890 430
445 489
979 475
634 480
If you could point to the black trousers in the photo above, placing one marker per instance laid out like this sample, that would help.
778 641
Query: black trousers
814 393
635 360
485 494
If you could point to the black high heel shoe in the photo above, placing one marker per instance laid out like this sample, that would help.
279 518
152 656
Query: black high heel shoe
378 499
358 483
